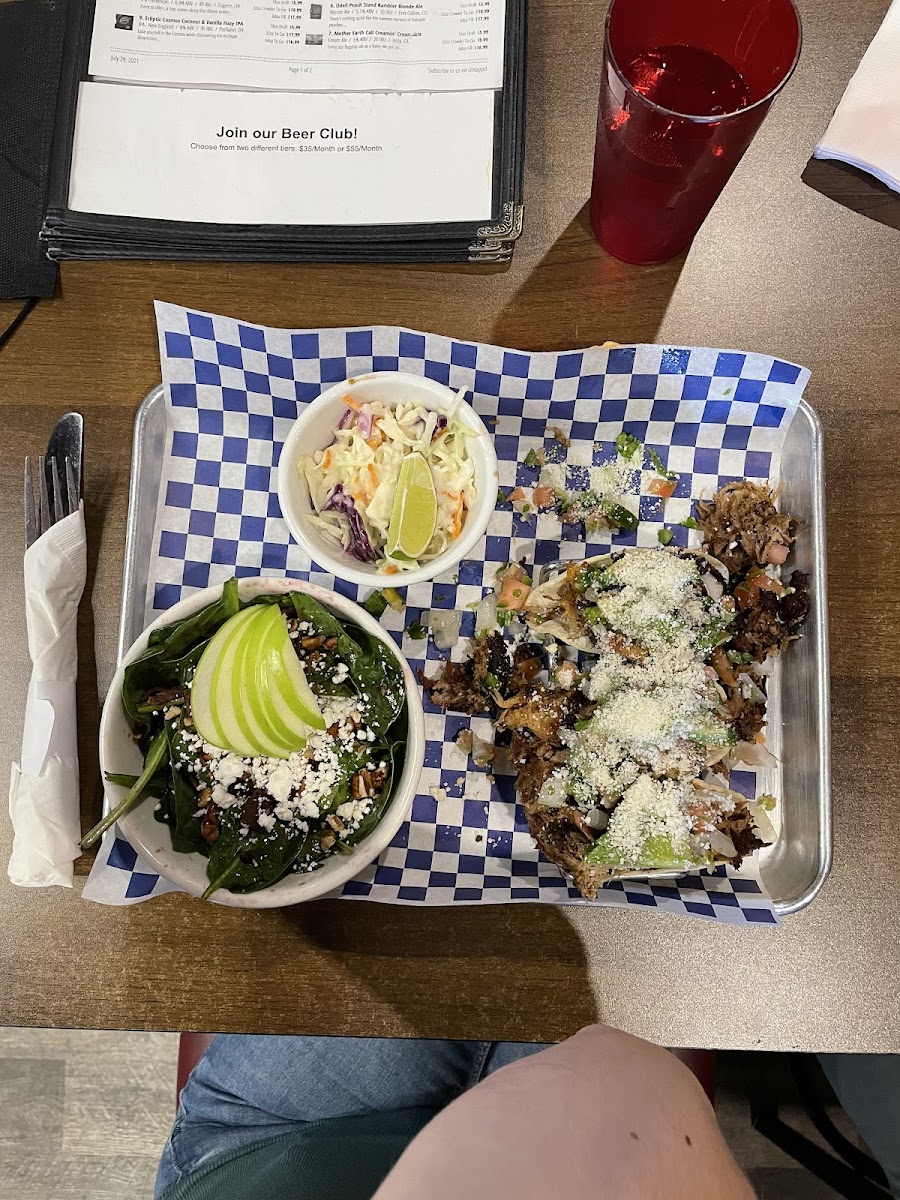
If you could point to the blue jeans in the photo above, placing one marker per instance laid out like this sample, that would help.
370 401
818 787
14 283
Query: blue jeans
247 1088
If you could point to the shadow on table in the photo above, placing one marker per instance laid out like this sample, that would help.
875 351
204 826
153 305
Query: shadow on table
578 295
502 971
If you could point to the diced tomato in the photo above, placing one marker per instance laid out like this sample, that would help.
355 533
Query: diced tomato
513 593
543 497
662 487
757 581
515 494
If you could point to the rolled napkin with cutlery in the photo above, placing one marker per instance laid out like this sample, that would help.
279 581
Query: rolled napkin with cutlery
865 129
44 787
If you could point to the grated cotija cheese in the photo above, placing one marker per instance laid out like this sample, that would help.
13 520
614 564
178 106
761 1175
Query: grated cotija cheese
651 808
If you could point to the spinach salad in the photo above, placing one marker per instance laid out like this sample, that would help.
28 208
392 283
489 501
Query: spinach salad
272 734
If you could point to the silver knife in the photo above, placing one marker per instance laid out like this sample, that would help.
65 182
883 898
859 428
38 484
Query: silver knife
66 441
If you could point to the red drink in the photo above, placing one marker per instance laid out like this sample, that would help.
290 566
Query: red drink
675 118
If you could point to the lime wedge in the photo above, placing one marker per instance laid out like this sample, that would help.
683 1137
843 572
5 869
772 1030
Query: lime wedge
414 512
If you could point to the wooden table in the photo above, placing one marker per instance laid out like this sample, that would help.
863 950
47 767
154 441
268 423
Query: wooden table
776 268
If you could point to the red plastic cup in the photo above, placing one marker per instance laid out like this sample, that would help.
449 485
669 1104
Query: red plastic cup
685 86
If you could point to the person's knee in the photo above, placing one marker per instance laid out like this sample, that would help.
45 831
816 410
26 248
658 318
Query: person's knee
603 1113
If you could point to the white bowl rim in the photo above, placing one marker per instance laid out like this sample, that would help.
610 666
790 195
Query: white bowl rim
341 564
319 882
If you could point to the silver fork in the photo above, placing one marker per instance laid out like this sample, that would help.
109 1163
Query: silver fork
38 513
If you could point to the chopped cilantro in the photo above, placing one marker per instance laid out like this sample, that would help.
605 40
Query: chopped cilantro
526 509
501 496
579 725
532 459
491 680
655 461
727 392
417 631
627 445
739 657
664 536
659 466
689 523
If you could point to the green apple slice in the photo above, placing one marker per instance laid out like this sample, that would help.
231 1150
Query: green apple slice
248 707
284 721
207 683
250 694
284 682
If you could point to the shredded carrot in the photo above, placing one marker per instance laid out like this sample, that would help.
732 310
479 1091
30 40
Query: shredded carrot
326 459
375 440
662 487
373 476
390 569
351 403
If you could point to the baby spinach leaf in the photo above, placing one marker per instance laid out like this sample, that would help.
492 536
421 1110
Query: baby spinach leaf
395 756
156 756
172 641
378 679
246 864
323 622
184 799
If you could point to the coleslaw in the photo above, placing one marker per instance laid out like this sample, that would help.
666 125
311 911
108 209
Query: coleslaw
353 481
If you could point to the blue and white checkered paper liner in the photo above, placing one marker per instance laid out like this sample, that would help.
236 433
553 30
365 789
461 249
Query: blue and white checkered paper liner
233 390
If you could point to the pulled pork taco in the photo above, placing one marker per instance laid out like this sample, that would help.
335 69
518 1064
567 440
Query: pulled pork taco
583 604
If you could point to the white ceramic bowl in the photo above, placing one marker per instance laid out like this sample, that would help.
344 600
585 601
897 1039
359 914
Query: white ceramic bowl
314 430
120 755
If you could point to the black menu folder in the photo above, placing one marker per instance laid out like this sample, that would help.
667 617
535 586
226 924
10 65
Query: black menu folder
81 235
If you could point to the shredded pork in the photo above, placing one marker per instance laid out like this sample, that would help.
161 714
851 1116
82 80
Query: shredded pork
742 527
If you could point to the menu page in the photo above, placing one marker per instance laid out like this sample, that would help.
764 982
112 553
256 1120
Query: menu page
302 45
282 158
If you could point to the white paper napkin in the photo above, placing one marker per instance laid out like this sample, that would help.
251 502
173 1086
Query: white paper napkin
865 129
43 791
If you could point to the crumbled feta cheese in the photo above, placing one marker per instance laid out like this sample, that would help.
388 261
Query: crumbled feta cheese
352 812
229 769
280 781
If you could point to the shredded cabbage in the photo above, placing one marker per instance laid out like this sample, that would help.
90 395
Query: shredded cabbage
367 468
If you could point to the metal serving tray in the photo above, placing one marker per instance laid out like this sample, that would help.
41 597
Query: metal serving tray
799 735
